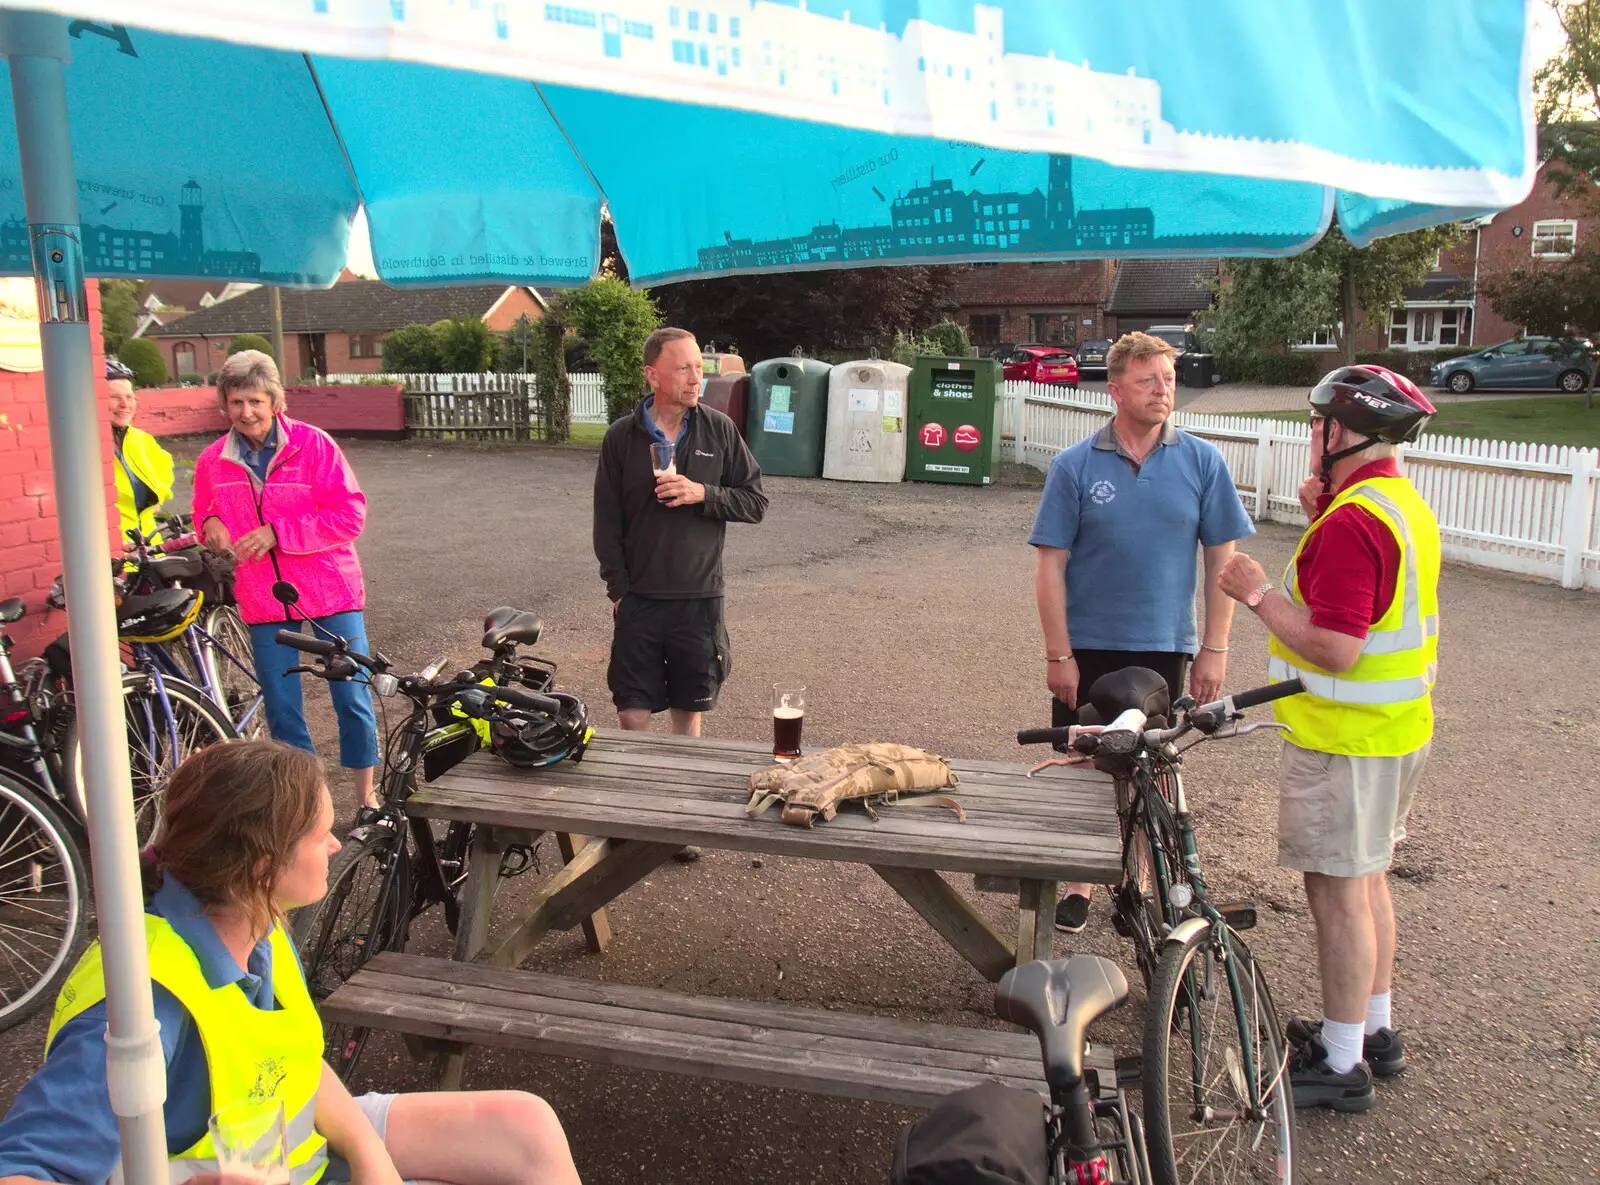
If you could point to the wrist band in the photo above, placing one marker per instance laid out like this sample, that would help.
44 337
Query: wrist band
1214 649
1063 658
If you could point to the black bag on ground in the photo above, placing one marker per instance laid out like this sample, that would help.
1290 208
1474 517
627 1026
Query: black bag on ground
985 1135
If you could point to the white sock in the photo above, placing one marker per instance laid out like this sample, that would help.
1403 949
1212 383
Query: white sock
1378 1013
1343 1043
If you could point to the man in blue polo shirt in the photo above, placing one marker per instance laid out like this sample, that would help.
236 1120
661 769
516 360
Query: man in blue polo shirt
1122 517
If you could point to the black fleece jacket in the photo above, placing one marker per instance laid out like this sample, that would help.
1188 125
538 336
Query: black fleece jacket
665 553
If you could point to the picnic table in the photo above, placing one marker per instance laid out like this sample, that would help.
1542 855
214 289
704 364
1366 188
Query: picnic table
636 799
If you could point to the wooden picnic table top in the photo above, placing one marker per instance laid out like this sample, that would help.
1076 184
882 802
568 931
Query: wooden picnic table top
1059 826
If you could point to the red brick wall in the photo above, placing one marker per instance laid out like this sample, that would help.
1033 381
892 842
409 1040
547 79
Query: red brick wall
180 411
30 541
1016 291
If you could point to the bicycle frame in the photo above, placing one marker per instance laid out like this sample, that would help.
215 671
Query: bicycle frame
149 656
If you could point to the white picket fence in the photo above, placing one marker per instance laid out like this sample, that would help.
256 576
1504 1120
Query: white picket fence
588 390
1533 509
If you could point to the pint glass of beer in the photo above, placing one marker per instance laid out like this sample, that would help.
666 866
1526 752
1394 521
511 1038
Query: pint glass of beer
788 718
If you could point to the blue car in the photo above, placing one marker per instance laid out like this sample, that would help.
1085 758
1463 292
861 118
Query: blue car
1565 364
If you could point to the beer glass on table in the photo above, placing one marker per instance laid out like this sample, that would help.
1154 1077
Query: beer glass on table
662 458
251 1143
788 719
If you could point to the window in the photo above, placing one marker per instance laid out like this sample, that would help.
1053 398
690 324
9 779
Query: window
694 21
1397 327
711 22
183 358
1554 238
985 328
978 265
1319 339
1055 329
733 26
365 345
1453 326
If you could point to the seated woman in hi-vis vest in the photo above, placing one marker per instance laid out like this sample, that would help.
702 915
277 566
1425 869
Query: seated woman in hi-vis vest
246 836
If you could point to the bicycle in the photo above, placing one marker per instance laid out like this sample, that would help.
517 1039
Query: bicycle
167 717
214 651
392 868
1226 1112
44 886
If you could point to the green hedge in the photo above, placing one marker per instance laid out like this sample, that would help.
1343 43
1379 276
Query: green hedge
143 357
1275 370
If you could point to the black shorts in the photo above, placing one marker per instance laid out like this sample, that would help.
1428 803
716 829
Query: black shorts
668 654
1172 666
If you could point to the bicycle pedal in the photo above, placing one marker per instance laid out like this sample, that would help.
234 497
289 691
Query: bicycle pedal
1130 1072
1241 915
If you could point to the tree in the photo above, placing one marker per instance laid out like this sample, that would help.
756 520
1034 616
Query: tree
466 345
119 310
851 310
249 341
412 349
143 357
1268 304
614 320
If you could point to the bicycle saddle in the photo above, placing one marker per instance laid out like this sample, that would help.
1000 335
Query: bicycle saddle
506 626
1058 1001
158 616
179 565
1132 687
12 610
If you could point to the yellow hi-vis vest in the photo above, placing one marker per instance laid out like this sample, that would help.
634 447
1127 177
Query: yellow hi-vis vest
251 1054
152 464
1382 706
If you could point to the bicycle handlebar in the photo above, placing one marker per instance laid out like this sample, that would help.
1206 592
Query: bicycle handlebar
295 640
1206 717
1263 695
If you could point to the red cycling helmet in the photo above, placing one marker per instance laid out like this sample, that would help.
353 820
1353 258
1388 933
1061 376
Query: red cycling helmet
1374 402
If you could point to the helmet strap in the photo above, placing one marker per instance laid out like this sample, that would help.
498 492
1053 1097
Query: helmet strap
1330 459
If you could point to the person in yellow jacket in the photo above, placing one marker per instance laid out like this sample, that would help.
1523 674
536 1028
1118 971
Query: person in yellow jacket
246 836
143 469
1357 620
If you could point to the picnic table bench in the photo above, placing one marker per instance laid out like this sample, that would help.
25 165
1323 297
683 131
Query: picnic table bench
635 800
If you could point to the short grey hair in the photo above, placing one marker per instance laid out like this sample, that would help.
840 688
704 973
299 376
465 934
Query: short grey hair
250 370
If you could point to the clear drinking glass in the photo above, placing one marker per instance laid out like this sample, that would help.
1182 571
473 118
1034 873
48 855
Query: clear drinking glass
662 462
250 1141
788 719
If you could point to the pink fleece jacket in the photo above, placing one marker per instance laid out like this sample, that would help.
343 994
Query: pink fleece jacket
315 508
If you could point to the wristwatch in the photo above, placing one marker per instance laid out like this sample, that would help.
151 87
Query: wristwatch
1254 598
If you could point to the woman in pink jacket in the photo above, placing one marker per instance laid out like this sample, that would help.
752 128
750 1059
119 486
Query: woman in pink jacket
281 498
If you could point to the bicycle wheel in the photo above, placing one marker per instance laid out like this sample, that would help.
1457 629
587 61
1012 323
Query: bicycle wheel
44 893
363 914
160 736
1199 1062
230 670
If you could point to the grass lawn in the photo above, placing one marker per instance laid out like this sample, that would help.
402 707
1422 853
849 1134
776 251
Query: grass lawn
1559 419
587 435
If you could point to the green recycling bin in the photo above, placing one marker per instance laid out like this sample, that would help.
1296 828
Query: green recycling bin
954 405
787 419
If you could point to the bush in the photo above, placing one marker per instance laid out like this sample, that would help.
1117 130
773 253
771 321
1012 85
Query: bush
211 379
614 320
143 357
949 339
1414 364
249 341
466 346
1276 370
412 349
190 379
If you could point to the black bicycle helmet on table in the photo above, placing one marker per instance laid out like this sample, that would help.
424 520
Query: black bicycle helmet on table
529 739
1373 402
118 370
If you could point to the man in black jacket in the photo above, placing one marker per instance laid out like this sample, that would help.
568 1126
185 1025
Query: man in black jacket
659 539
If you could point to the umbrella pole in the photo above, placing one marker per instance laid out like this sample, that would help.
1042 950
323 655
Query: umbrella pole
37 48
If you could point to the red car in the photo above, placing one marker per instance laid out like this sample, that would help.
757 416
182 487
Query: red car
1041 364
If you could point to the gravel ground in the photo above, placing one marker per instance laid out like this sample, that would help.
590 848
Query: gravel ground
908 610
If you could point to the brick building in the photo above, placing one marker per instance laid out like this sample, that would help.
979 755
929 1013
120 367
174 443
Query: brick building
1150 292
30 539
337 330
1056 303
1445 310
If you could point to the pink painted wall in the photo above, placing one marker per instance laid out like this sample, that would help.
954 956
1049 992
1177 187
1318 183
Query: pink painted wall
180 411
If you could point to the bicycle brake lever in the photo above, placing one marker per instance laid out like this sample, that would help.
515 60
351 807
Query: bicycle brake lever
1239 730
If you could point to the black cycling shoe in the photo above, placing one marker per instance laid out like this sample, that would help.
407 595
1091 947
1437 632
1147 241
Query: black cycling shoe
1383 1051
1072 913
1316 1085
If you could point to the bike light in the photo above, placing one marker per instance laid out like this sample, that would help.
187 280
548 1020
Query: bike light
16 717
384 685
1180 895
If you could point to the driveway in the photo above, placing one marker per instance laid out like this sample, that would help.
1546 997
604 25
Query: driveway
908 610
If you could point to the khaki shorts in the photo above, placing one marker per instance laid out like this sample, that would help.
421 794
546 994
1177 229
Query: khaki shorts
1340 815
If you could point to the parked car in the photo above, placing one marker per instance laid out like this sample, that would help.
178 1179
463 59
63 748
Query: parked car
1041 364
1183 337
1567 364
1092 355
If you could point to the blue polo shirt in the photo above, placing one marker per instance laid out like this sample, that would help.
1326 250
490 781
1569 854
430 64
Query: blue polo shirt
656 434
1134 532
61 1128
259 460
